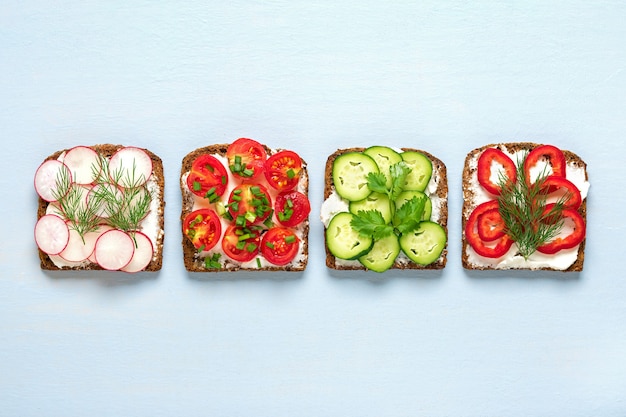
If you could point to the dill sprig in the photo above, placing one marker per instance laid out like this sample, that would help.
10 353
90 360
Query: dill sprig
522 207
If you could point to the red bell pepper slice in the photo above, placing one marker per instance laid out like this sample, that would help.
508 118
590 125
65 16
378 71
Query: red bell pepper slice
571 240
485 161
553 155
572 196
490 225
481 247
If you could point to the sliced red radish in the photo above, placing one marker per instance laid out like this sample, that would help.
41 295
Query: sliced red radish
84 163
59 261
50 176
101 229
51 234
130 167
142 255
114 249
77 199
140 198
104 198
79 247
53 208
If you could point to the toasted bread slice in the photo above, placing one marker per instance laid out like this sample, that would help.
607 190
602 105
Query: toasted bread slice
194 260
567 260
437 190
152 225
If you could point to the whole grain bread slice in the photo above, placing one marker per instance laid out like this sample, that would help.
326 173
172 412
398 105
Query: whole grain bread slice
195 263
107 150
439 172
470 183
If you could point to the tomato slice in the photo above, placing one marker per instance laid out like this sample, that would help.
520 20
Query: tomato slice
249 204
246 158
283 169
483 248
291 208
240 243
552 155
569 241
203 228
570 195
485 164
207 177
490 225
280 245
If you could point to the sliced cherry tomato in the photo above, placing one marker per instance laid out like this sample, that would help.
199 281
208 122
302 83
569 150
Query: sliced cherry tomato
240 243
490 225
571 240
291 208
282 170
570 195
249 204
203 228
485 163
280 245
208 177
552 155
246 158
482 248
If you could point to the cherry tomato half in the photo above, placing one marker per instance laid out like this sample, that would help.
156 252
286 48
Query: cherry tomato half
283 169
482 248
552 155
249 204
246 158
485 163
203 228
280 245
208 177
240 243
291 208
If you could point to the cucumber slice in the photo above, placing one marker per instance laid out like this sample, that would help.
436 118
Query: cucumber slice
421 170
408 195
425 244
343 241
384 157
374 201
383 254
350 172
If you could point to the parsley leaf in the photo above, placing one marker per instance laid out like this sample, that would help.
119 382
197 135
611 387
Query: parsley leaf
371 223
409 215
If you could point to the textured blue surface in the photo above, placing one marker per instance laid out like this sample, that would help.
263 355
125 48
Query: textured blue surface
313 76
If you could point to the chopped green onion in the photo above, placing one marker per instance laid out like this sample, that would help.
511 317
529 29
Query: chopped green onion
258 262
197 186
269 245
291 174
251 247
290 239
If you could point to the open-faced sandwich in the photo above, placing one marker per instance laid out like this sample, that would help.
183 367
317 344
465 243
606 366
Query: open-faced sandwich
385 208
245 206
100 207
524 207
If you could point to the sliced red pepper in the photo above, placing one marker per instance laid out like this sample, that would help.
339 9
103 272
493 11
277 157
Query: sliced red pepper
490 225
485 161
572 196
551 154
573 239
483 248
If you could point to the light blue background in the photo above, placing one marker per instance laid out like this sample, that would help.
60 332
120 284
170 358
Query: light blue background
314 76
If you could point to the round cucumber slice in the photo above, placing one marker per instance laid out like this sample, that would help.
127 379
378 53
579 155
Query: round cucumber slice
424 244
382 255
374 201
343 241
421 170
350 172
408 195
384 157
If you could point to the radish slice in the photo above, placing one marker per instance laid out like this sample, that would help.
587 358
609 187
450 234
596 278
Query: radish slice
114 249
101 229
79 248
130 167
51 234
77 198
100 197
54 208
140 199
49 176
84 163
142 255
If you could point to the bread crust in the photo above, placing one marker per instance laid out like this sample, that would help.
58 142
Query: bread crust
439 170
107 150
469 205
194 263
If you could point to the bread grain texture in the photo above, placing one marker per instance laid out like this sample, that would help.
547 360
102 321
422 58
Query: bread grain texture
472 196
440 178
107 150
193 261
